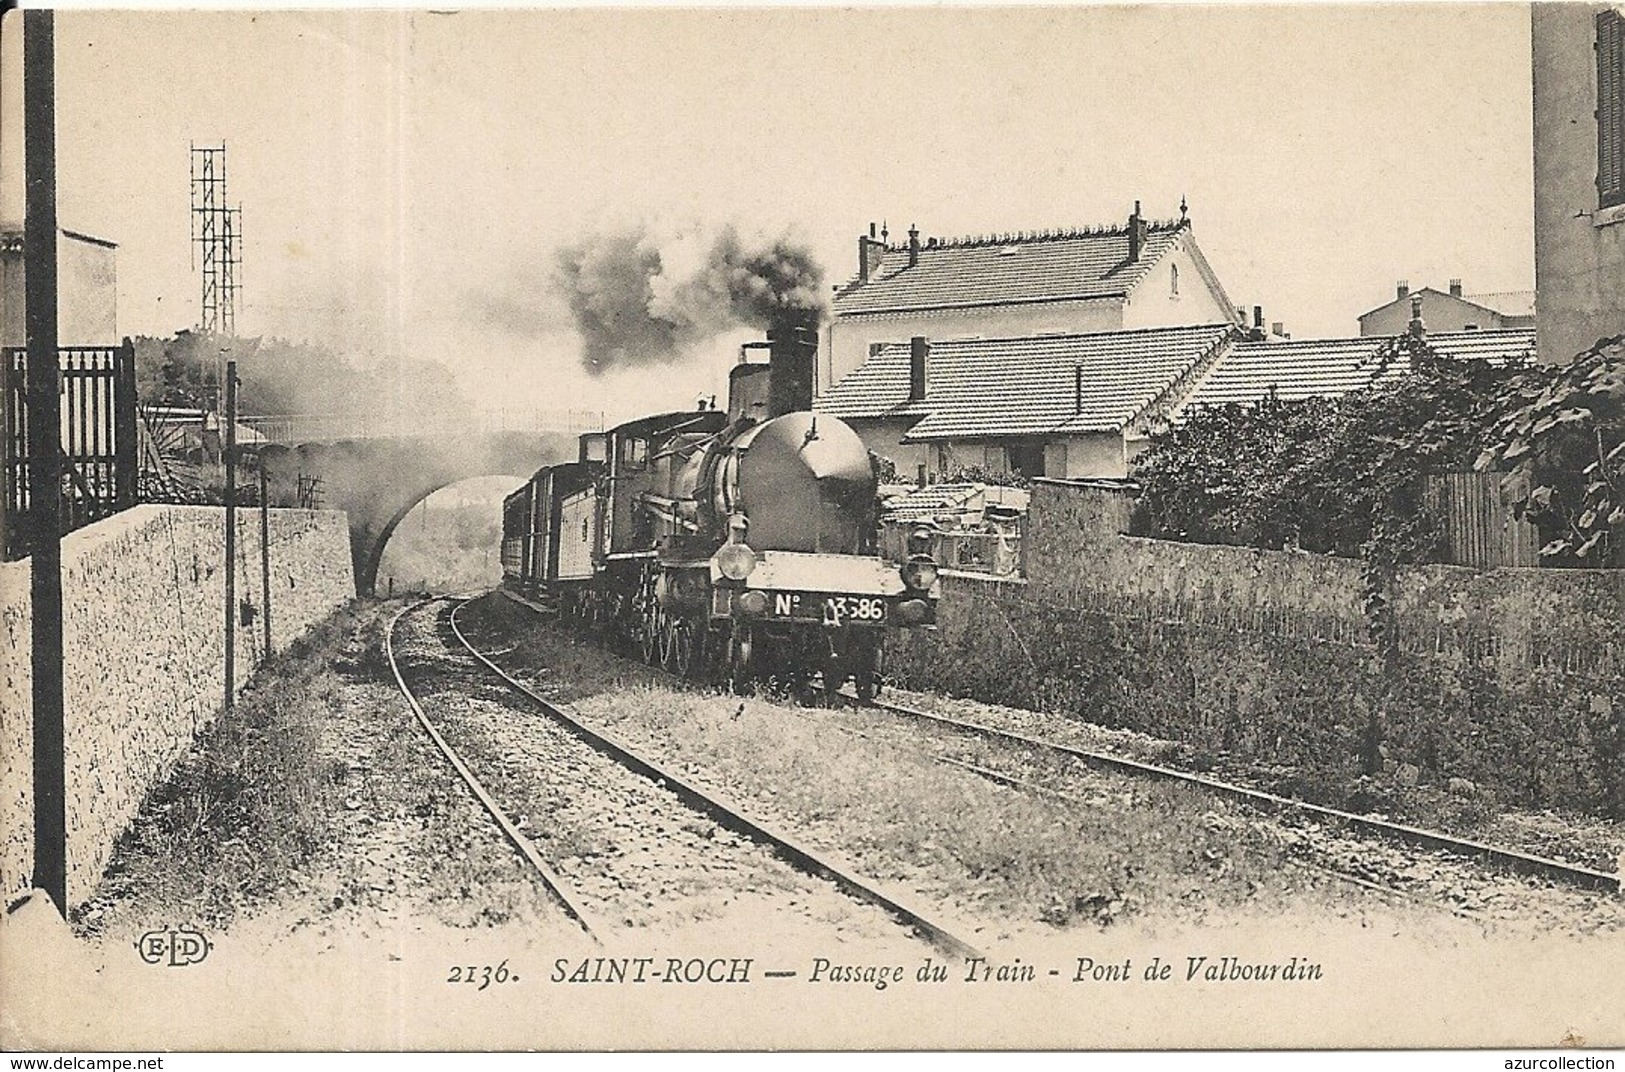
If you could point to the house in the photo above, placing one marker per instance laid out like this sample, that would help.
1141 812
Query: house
1453 311
87 290
1325 368
1145 274
1062 405
1579 124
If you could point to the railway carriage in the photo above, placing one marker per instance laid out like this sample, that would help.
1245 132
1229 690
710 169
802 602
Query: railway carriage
730 545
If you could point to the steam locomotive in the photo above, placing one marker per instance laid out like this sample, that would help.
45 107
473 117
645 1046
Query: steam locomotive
727 546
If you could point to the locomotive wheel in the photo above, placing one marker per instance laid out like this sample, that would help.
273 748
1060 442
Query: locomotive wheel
649 636
682 647
671 630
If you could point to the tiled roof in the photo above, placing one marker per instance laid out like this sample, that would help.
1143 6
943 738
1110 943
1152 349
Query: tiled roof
926 503
1309 368
1017 268
1028 385
1507 302
1502 303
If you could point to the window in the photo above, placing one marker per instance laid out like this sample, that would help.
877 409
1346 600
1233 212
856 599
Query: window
1610 109
1173 280
634 452
1027 459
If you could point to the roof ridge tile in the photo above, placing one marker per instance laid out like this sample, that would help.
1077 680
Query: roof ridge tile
1047 234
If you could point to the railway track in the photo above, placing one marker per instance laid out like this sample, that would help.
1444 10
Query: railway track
1498 857
1509 859
658 780
554 884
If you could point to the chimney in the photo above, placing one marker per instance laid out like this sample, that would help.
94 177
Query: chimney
1404 287
1418 329
913 245
1258 317
1136 234
919 348
870 252
1278 329
1455 288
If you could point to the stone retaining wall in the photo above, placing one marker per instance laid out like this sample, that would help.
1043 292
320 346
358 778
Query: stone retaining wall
1513 679
143 664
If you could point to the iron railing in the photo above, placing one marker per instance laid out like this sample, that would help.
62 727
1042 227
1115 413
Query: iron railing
292 428
98 441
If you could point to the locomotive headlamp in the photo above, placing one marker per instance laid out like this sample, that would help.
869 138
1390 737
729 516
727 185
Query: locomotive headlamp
753 603
919 573
919 541
735 560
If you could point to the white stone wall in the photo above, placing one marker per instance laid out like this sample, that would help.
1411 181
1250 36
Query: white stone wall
143 667
1579 245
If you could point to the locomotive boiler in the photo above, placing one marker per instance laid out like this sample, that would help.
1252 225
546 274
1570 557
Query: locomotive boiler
729 545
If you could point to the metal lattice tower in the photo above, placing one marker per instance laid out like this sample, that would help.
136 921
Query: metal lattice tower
217 232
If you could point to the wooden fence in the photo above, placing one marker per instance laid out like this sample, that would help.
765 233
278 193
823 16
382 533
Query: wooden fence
99 439
1480 529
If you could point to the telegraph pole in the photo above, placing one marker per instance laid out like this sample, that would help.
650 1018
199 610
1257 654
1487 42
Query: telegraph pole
231 532
44 454
265 552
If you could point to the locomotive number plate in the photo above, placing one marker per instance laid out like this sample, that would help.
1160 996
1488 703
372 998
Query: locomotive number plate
831 610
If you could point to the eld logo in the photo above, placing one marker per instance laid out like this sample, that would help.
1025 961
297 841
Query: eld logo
175 948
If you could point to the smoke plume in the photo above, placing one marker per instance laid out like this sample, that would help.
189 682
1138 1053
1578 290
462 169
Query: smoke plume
637 300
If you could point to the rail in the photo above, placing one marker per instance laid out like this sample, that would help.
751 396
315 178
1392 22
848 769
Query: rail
554 884
731 815
1520 862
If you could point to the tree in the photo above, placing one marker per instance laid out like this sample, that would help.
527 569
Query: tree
1562 435
1341 475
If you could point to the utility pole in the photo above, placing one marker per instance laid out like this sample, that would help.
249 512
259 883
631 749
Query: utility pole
44 454
265 552
231 532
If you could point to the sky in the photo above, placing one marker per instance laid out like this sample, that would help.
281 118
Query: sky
404 175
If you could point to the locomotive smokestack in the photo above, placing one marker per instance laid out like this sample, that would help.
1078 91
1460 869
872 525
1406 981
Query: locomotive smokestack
793 348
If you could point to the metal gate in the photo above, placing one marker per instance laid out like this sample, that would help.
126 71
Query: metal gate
99 438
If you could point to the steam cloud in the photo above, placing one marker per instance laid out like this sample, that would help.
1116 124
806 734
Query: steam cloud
639 301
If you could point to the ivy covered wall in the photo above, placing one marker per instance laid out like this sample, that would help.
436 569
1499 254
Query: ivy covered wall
1513 680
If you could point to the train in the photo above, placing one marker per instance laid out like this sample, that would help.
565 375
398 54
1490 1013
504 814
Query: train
726 545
